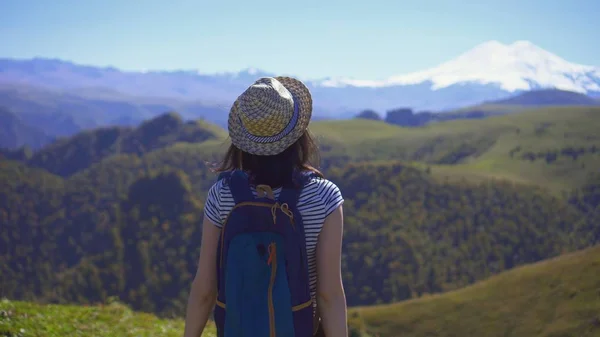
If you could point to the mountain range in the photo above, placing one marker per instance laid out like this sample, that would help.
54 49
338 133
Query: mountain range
62 97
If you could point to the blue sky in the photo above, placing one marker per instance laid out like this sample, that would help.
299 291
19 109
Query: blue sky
310 38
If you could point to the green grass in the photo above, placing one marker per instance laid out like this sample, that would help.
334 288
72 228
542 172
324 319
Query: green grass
22 319
556 297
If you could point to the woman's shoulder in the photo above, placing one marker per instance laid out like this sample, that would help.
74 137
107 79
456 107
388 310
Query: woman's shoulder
321 183
323 189
218 188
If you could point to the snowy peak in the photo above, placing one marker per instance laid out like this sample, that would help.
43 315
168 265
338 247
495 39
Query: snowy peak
520 65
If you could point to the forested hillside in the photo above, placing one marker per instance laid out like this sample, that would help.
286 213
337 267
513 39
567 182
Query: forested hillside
68 155
116 211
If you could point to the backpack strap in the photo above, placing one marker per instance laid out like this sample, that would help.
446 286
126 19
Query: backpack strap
291 194
224 175
238 184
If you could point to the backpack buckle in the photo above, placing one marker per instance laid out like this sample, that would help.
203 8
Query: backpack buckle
265 190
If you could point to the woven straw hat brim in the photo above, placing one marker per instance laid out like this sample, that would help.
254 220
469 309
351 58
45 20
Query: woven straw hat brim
301 95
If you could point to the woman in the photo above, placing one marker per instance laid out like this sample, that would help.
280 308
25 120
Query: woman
270 144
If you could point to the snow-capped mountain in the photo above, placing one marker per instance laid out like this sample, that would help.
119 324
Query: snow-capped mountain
515 67
490 71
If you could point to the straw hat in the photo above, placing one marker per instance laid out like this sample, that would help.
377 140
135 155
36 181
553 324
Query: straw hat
270 115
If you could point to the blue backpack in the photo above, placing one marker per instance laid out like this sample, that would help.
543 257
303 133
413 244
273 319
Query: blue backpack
262 265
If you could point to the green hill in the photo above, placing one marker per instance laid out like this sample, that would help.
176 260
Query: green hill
127 227
71 154
22 319
114 212
557 297
553 147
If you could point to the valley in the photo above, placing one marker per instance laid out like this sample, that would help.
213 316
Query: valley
113 212
465 142
69 97
457 218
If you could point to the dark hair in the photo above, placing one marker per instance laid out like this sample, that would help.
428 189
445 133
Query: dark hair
277 170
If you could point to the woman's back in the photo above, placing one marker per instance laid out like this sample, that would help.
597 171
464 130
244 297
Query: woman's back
318 198
270 144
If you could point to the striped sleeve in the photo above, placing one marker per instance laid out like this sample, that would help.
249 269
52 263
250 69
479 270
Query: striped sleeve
331 196
212 207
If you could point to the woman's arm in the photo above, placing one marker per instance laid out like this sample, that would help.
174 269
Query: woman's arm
203 294
331 298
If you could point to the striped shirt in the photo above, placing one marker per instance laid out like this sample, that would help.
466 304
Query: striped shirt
319 198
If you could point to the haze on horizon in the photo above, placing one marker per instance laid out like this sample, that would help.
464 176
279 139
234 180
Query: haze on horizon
312 39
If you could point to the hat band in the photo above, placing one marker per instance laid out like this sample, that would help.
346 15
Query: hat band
271 139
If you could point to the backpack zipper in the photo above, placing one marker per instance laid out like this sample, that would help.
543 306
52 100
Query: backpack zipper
245 203
272 261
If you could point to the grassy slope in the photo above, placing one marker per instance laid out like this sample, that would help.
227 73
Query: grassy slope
557 297
22 319
536 130
575 127
490 141
479 149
